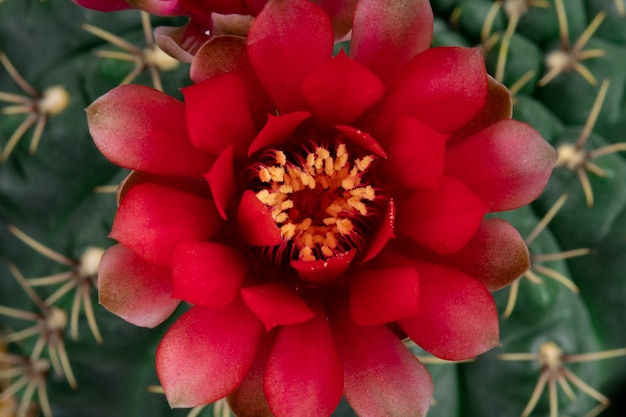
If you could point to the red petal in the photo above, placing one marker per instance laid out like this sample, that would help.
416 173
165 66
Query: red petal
225 54
140 128
207 274
218 115
341 13
137 291
104 5
383 295
324 271
221 179
444 219
507 164
442 87
206 354
415 156
152 218
457 319
255 223
304 377
276 304
359 139
382 377
341 90
387 34
383 234
278 130
496 255
248 400
499 106
158 7
288 40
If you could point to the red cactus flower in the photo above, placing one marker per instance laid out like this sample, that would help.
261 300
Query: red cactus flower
311 241
209 18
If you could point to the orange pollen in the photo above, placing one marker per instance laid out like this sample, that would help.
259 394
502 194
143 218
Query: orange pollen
313 204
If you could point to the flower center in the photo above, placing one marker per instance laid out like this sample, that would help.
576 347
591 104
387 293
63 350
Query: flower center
319 197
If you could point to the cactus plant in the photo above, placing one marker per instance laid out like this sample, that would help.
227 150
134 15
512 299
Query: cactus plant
562 337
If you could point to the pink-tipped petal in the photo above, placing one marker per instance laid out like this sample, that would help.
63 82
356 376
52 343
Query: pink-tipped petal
140 128
137 291
382 377
278 130
207 274
324 271
341 90
499 106
384 233
206 354
275 304
458 317
152 218
255 223
387 34
496 255
443 87
304 377
218 115
221 179
341 13
380 296
248 400
444 219
415 155
507 164
225 54
158 7
182 43
104 5
288 40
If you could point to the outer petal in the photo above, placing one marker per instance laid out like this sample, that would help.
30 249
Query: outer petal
276 304
304 377
341 13
206 354
457 319
224 54
340 90
415 156
248 400
507 164
140 128
152 218
442 87
207 274
499 106
496 255
137 291
181 43
383 295
444 219
387 34
255 223
158 7
382 377
104 5
288 40
218 116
